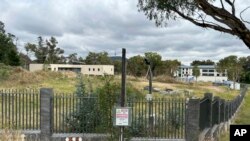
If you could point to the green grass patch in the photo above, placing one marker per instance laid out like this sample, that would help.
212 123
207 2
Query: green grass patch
243 117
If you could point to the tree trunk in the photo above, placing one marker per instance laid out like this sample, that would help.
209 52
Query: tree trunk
246 39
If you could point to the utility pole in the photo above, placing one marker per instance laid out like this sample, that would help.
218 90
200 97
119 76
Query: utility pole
123 90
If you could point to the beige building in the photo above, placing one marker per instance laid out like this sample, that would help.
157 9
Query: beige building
208 73
84 69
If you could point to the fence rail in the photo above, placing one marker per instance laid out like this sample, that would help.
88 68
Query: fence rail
73 114
69 113
167 117
19 109
215 110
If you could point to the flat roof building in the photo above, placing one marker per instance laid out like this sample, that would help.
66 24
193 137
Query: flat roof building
84 69
207 73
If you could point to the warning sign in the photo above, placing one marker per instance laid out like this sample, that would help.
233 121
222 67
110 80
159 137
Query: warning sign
122 116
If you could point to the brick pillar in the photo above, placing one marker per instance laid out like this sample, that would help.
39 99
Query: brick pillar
192 120
46 113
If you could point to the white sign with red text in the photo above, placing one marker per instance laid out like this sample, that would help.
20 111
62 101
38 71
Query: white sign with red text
122 117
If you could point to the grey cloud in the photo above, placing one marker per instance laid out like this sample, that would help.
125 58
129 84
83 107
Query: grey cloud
97 25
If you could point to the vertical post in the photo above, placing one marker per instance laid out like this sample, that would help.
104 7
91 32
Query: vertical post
149 97
123 90
192 120
150 79
46 113
217 110
150 112
209 96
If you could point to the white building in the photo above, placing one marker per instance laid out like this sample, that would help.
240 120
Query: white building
84 69
207 73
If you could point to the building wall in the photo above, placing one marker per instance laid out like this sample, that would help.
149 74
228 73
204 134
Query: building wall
207 73
108 69
212 78
35 67
98 69
84 69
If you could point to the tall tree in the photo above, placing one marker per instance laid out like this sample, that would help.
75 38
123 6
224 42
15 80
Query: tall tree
54 52
154 59
81 60
169 67
136 66
72 58
117 66
8 50
203 62
40 51
98 58
233 66
245 76
196 72
46 52
223 16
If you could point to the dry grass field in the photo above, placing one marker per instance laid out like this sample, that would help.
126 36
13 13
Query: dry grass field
65 82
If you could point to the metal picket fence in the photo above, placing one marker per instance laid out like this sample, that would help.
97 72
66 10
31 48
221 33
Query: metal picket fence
167 118
74 114
20 109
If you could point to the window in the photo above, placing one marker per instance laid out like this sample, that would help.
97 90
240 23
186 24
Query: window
218 74
204 70
89 69
211 74
211 70
98 69
54 69
93 69
204 74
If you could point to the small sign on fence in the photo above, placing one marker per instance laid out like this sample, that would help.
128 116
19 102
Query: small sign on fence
122 116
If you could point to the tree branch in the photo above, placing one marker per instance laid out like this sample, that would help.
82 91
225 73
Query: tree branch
222 5
241 14
232 5
203 24
204 21
226 17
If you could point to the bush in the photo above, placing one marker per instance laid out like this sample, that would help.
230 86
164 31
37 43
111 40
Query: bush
108 96
4 71
86 117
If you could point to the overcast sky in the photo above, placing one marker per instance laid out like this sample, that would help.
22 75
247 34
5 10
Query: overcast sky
81 26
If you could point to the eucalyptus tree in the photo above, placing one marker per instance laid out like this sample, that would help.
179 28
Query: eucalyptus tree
8 50
220 15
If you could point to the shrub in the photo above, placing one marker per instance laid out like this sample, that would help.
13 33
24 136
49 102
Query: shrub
4 71
86 117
